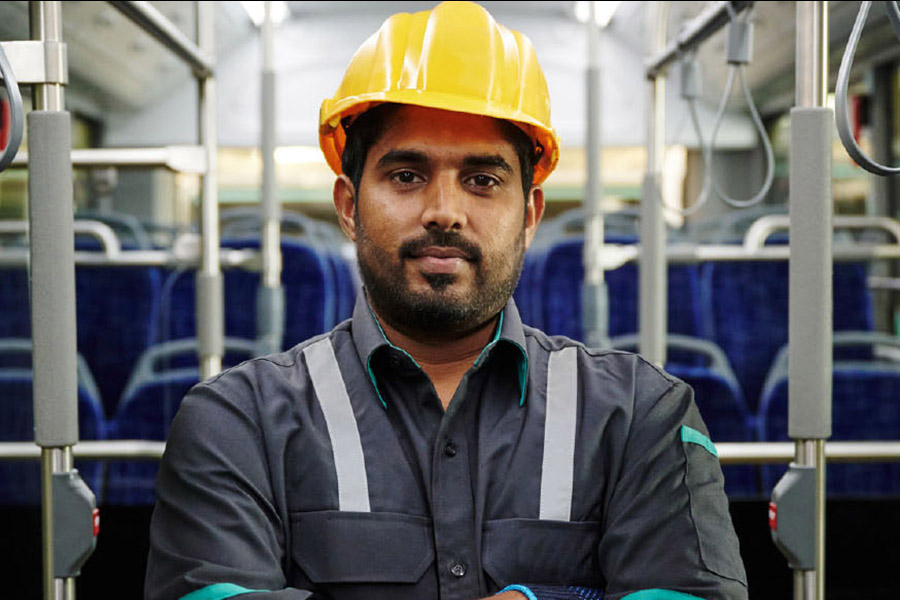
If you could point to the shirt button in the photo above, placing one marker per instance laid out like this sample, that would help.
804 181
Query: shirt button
450 449
458 570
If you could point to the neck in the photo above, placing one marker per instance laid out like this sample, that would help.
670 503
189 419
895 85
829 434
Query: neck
445 359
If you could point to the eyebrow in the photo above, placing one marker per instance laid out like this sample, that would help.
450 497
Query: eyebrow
420 158
401 156
487 160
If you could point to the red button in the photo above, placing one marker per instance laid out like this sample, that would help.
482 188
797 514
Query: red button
96 518
773 516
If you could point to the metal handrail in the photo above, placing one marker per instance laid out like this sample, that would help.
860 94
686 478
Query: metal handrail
730 453
247 259
762 228
148 18
180 159
101 231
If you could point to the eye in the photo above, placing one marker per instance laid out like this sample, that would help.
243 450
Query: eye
482 180
406 177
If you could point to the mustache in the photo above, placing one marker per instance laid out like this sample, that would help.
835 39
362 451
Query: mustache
444 239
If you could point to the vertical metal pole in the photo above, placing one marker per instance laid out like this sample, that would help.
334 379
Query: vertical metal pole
270 298
810 292
210 301
595 300
653 261
884 189
52 288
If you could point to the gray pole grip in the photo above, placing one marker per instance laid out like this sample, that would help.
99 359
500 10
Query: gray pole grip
210 314
52 279
810 292
269 319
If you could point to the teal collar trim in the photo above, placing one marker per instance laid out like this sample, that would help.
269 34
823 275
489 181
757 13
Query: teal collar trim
657 594
523 363
692 436
218 591
369 336
493 341
371 354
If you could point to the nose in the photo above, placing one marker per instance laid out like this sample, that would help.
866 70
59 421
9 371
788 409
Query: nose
444 204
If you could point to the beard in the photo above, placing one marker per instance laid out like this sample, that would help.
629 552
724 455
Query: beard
440 309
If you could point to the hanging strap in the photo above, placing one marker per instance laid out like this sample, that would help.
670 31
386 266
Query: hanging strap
558 466
349 463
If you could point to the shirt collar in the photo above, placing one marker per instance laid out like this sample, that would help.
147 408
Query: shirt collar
368 337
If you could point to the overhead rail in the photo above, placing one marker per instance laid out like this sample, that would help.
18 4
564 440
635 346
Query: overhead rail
148 18
692 35
180 159
842 112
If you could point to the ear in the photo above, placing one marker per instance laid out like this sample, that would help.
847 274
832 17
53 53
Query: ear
534 212
344 196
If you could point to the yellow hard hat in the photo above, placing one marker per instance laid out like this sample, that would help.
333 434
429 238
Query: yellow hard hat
454 57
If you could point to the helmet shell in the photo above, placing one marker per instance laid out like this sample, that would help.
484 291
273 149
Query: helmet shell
454 57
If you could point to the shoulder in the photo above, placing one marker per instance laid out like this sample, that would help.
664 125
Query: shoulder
609 375
262 384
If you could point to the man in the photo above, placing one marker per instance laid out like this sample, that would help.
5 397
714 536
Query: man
434 446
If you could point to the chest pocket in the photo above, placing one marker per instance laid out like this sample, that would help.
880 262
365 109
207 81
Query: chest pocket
349 547
533 551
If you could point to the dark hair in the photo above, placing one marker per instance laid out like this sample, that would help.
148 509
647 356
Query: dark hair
367 128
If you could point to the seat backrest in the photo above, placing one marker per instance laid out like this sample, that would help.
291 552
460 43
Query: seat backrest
865 406
20 482
748 312
310 287
560 276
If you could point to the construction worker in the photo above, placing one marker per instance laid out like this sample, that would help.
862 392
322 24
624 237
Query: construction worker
434 446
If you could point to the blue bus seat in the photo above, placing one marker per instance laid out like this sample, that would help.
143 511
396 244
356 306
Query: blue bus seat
310 291
866 406
748 312
20 482
152 398
560 273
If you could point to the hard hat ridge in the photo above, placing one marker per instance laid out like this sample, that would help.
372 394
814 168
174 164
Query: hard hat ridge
454 57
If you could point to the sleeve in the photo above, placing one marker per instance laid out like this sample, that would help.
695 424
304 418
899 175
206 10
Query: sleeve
667 530
215 532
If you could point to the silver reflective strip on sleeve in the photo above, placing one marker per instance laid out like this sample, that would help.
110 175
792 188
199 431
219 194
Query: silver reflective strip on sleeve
558 467
353 487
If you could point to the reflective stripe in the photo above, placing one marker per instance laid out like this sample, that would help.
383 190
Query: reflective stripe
558 467
353 486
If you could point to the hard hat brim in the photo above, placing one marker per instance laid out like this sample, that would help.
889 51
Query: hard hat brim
332 137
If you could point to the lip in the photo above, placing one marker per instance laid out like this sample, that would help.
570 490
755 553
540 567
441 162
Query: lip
437 264
441 252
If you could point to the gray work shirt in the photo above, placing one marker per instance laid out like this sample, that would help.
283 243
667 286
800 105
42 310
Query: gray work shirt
332 469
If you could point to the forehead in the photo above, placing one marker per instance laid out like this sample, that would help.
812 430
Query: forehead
440 132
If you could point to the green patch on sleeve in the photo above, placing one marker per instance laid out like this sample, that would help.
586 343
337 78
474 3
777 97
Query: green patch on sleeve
665 594
692 436
218 591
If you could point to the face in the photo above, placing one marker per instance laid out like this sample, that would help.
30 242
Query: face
440 222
